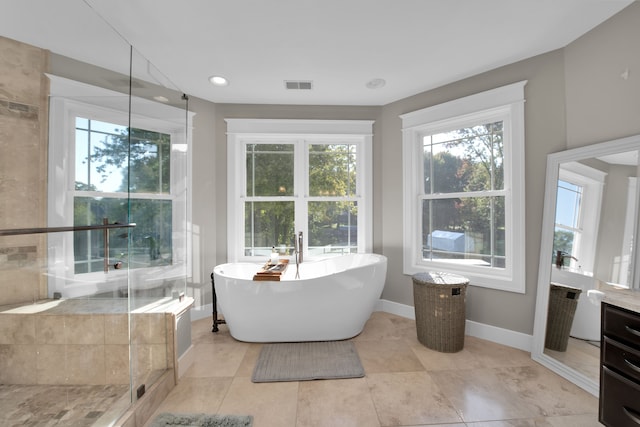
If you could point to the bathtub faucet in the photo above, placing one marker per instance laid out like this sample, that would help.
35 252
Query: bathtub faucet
297 249
561 256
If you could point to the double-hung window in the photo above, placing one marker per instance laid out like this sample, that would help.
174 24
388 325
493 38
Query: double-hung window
292 176
464 188
109 163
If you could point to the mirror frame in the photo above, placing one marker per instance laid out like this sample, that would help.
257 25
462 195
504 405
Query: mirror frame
546 252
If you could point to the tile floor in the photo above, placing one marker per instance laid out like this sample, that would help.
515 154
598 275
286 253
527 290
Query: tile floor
61 405
406 384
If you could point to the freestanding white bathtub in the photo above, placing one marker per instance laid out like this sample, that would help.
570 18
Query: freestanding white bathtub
332 299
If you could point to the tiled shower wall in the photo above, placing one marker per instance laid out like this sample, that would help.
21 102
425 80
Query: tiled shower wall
24 90
84 349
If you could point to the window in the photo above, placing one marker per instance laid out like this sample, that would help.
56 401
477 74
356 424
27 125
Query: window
578 204
121 175
105 162
464 188
287 176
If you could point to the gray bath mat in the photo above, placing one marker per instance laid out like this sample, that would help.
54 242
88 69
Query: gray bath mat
307 361
202 420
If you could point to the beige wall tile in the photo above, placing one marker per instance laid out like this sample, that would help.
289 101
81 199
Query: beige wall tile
23 147
17 329
148 359
116 329
149 328
116 360
50 329
84 329
17 364
21 68
51 364
86 364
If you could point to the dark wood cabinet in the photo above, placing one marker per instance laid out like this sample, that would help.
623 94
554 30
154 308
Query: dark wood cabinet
620 367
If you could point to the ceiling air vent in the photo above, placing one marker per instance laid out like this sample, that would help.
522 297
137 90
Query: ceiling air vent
298 84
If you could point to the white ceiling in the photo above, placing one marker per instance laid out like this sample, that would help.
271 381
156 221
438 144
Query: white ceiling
340 45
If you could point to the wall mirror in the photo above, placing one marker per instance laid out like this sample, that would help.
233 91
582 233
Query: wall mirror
589 227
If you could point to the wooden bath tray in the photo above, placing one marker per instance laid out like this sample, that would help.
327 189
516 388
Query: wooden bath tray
272 272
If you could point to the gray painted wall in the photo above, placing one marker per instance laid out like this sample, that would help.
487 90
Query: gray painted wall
601 105
544 133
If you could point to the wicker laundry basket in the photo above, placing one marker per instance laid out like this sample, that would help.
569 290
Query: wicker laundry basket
439 301
563 301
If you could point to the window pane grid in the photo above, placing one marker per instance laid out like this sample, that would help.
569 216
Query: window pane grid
124 175
463 199
269 169
268 224
327 169
333 227
111 158
150 241
332 169
467 159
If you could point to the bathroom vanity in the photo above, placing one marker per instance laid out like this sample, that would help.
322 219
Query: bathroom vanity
620 359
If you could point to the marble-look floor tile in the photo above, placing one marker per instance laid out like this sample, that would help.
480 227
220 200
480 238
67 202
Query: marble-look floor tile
492 355
403 326
387 356
195 395
270 404
586 420
409 398
381 327
562 421
59 405
338 403
547 391
481 395
533 422
476 353
433 360
249 361
201 332
217 360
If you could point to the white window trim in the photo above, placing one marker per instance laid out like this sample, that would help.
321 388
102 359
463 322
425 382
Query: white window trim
505 102
240 131
69 99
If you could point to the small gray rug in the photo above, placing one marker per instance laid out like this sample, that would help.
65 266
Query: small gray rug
307 361
202 420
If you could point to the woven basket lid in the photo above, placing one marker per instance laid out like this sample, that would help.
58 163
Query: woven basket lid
440 278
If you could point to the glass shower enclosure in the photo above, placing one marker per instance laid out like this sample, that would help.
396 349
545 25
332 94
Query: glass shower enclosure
94 241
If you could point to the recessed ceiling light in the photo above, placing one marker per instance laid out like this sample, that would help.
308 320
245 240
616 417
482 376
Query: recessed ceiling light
161 98
376 83
218 80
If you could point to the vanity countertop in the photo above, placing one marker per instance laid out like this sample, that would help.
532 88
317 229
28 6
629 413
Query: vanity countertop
621 297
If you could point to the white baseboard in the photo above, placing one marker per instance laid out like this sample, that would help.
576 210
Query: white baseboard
475 329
